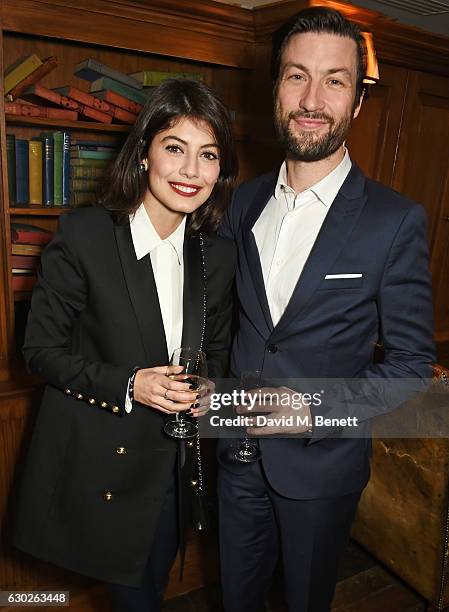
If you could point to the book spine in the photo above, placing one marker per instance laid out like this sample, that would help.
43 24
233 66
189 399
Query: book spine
28 262
77 185
82 198
93 113
86 172
121 101
22 171
23 282
47 66
65 168
153 78
91 70
120 88
48 170
28 110
11 162
83 98
83 154
96 163
124 116
57 168
35 169
52 96
19 70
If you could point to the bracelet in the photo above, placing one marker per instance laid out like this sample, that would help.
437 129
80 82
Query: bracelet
131 383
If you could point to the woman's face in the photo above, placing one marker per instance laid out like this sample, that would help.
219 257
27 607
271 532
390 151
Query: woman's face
183 167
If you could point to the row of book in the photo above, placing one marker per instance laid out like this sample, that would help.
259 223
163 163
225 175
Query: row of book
27 243
112 96
54 169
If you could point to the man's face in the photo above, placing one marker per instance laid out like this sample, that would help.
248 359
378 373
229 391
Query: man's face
315 95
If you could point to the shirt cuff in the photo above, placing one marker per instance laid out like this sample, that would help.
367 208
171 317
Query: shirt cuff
128 402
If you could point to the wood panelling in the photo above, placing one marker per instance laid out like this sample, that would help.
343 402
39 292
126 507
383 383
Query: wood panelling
422 173
375 133
224 41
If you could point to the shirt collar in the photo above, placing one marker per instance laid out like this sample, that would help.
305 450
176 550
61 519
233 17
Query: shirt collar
146 239
326 189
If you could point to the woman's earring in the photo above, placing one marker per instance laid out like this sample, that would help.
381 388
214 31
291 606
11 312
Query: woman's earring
143 166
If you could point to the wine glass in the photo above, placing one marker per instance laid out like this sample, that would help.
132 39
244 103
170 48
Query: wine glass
248 450
194 372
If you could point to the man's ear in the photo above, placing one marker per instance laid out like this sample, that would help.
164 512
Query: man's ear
359 105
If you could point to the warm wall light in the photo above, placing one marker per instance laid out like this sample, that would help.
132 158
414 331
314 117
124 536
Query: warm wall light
372 68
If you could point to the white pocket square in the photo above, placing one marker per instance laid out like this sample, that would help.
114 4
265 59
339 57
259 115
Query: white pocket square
331 276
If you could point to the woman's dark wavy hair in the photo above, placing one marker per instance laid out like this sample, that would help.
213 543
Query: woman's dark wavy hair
319 19
125 182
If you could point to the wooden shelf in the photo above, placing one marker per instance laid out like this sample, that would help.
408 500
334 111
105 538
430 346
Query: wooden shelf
72 125
53 211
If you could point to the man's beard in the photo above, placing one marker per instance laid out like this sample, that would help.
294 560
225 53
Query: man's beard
306 146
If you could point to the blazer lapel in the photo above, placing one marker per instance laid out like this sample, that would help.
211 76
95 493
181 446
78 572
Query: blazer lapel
331 239
193 293
142 290
259 202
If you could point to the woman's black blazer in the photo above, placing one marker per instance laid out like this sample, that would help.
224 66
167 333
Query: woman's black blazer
94 316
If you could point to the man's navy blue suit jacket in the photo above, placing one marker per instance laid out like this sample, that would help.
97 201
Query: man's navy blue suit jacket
331 326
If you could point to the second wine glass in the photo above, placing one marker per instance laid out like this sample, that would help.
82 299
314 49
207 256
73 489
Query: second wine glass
194 372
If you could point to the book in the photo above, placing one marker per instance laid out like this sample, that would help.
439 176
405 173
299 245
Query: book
47 66
65 168
112 144
57 168
22 171
25 233
153 78
120 88
11 163
122 115
94 147
27 262
20 69
119 100
83 184
84 98
26 249
48 167
92 155
37 92
97 163
91 69
86 172
82 198
93 113
35 171
32 110
23 282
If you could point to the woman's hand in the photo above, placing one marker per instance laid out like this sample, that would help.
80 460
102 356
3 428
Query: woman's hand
153 387
202 405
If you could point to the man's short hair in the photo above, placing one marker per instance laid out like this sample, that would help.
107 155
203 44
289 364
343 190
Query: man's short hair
319 19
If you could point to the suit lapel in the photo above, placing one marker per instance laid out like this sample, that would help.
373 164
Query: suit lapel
332 237
259 202
193 293
143 294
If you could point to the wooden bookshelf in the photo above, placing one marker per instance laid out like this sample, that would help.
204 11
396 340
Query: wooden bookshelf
39 211
90 126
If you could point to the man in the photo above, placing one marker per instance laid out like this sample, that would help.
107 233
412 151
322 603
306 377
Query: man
330 263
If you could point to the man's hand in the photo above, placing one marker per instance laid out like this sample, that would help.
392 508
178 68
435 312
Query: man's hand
284 410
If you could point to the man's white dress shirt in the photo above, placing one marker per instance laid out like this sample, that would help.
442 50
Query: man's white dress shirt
168 268
287 229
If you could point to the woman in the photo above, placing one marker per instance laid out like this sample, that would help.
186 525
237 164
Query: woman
121 286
